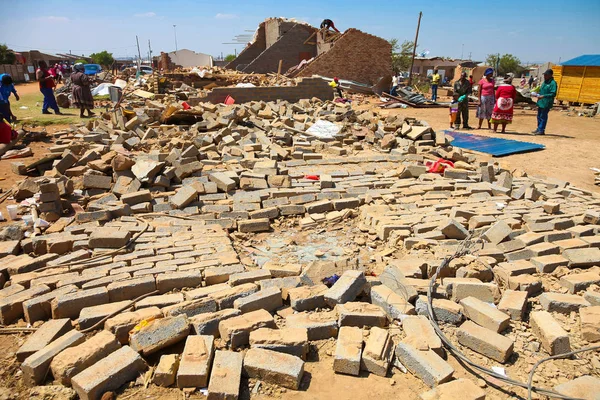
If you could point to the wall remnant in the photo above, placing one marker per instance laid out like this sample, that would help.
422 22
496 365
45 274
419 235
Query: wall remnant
356 56
307 88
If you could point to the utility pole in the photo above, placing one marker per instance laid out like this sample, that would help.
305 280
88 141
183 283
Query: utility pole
139 53
412 63
149 52
470 56
175 32
462 52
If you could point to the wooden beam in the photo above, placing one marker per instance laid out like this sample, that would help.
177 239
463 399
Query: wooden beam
580 84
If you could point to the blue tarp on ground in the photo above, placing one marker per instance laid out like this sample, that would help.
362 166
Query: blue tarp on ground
491 145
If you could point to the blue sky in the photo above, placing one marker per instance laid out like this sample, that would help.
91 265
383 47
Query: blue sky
535 31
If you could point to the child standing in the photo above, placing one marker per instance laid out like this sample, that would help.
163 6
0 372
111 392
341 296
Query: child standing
453 111
6 88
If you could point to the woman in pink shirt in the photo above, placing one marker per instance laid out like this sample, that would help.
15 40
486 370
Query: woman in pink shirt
486 98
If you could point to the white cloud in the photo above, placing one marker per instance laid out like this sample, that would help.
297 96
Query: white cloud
52 18
148 14
226 16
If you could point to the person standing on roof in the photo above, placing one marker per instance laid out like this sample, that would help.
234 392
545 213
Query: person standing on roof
462 89
545 94
328 24
435 81
46 80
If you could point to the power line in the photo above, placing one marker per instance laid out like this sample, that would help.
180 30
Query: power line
57 49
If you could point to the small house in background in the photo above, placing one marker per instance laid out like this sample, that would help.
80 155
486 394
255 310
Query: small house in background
578 79
188 58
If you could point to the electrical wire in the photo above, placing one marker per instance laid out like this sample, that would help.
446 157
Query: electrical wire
463 249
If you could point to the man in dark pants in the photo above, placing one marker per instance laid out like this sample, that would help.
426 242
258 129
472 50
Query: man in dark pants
546 94
47 85
328 24
463 89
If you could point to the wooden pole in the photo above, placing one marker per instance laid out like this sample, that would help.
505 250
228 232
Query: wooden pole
412 62
279 69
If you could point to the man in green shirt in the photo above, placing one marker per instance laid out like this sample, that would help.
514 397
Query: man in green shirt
462 90
546 94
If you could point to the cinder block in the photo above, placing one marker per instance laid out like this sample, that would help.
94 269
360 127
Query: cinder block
563 303
160 333
226 376
274 367
590 323
108 374
323 325
347 287
70 305
485 341
268 299
196 360
166 370
73 360
421 335
237 330
361 314
292 341
395 306
208 323
306 298
48 332
484 314
122 323
513 303
378 352
348 351
554 338
35 367
464 389
426 365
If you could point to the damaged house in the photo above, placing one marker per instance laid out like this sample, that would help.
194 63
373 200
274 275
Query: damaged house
306 51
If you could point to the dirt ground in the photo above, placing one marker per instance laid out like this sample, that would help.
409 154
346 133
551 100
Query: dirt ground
572 145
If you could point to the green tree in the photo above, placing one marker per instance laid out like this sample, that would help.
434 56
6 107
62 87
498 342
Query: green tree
103 58
6 55
230 57
505 64
401 54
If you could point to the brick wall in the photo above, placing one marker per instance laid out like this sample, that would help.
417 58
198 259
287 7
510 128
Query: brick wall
287 48
252 51
307 88
17 72
355 56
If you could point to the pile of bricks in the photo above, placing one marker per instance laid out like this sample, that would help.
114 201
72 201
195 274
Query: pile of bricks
167 214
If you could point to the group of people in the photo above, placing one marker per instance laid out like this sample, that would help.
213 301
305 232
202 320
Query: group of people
496 103
81 92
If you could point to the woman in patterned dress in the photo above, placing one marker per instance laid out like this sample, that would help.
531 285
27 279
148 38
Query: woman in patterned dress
82 94
505 100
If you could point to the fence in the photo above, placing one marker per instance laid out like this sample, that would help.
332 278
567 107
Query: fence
19 73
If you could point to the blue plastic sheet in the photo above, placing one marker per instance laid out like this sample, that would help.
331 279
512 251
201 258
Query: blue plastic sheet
495 146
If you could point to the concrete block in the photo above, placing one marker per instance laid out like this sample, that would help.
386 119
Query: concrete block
360 314
497 232
191 308
513 303
249 277
378 352
160 301
581 258
484 314
226 298
348 351
166 370
196 361
268 299
461 288
236 330
254 225
292 341
70 305
445 310
121 324
226 376
35 367
553 337
577 282
395 306
421 335
11 307
208 323
323 325
590 323
306 298
89 316
131 288
160 333
224 183
216 275
562 303
73 360
274 367
464 389
549 263
426 365
282 271
183 197
393 278
346 288
178 280
485 341
48 332
108 374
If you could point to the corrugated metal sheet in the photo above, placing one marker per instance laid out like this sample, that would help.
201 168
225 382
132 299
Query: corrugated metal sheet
495 146
586 60
578 84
